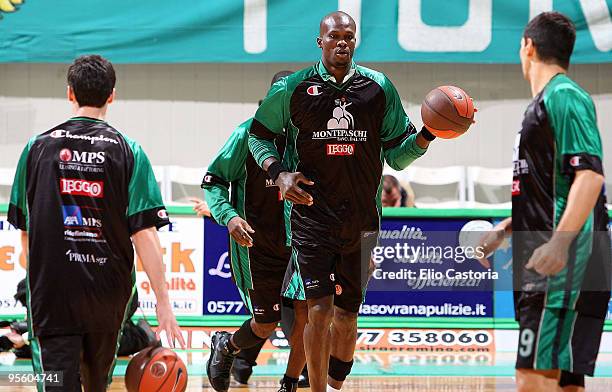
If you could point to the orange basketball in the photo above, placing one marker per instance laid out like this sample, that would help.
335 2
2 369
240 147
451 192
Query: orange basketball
156 369
447 112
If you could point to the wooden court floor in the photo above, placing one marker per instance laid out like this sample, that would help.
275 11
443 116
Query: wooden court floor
377 383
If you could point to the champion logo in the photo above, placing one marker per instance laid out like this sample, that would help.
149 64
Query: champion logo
340 149
338 289
162 214
276 307
314 90
516 187
574 161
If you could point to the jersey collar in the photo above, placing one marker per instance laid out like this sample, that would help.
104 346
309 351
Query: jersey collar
326 76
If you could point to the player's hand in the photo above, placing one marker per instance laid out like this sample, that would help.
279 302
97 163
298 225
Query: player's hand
16 339
200 207
240 231
488 244
289 187
550 258
167 323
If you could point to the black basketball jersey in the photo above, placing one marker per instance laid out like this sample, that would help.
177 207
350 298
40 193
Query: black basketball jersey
81 190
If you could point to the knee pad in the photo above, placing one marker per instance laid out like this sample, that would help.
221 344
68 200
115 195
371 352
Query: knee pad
338 370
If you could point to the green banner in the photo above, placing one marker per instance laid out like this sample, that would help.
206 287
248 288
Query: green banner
155 31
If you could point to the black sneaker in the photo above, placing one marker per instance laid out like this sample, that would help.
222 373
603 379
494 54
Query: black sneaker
303 381
220 362
288 386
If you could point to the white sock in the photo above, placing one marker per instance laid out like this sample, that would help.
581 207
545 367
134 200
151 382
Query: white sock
332 389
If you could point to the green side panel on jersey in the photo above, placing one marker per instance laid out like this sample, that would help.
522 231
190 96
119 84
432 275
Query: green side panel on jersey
230 165
143 191
572 116
18 191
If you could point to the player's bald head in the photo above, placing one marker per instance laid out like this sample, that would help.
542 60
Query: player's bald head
336 19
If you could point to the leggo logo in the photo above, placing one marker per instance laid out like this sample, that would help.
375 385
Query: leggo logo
88 158
77 187
340 149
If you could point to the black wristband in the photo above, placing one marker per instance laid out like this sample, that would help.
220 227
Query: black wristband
427 135
275 169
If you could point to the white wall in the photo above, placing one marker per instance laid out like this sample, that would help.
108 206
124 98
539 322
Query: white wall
182 113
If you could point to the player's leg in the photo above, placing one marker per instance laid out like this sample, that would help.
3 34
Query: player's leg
344 336
294 315
316 260
244 363
61 354
317 340
98 360
534 364
351 278
297 355
529 380
263 301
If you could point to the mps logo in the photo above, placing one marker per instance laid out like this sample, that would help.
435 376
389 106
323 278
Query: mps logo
78 187
340 149
314 90
73 216
85 157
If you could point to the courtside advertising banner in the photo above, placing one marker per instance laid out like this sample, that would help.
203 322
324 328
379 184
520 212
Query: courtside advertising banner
221 296
190 31
12 268
182 247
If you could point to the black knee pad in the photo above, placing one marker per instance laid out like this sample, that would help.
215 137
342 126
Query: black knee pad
568 379
245 337
338 370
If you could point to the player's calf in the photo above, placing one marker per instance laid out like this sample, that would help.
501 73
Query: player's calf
344 336
529 380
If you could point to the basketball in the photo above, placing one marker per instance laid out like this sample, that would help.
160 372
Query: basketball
156 369
447 112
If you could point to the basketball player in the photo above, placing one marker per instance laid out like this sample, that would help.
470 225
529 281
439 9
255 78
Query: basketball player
254 216
561 250
340 120
84 192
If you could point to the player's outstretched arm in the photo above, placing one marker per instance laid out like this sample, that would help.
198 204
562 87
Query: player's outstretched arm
149 250
551 258
406 151
492 240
